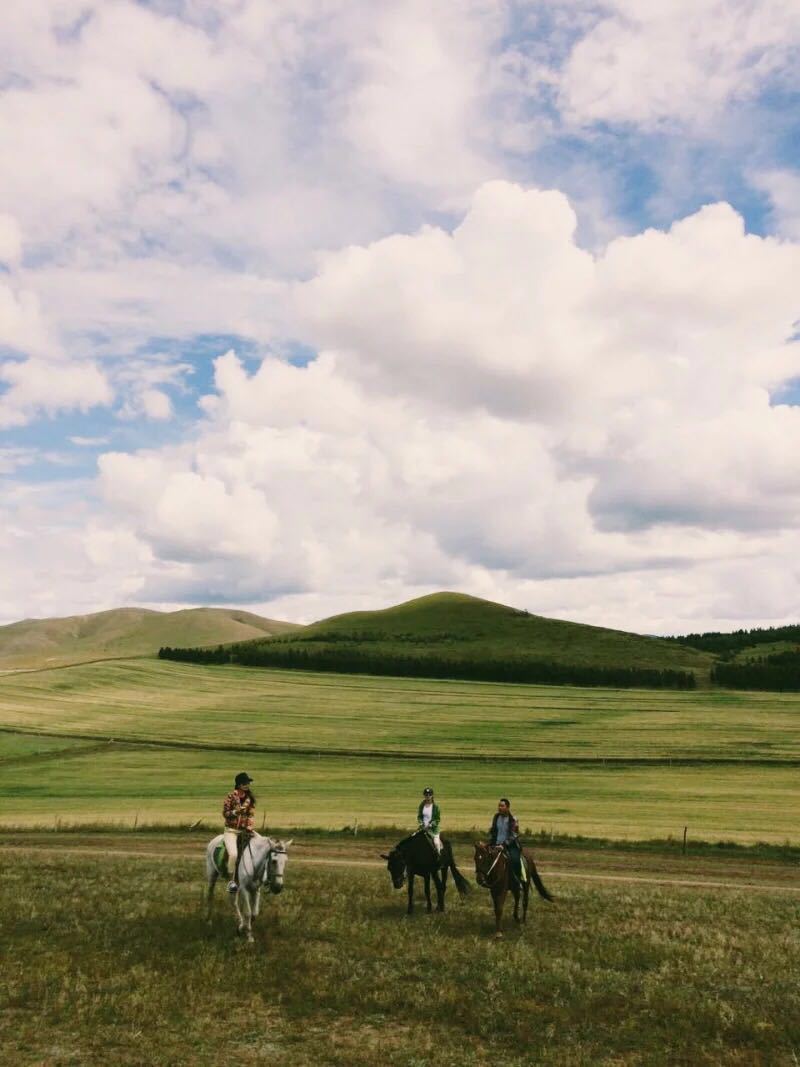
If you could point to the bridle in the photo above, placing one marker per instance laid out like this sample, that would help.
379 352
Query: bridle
482 878
272 852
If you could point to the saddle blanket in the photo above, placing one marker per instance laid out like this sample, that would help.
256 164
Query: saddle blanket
221 860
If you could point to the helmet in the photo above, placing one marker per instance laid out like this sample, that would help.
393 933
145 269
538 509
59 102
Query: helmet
427 791
242 779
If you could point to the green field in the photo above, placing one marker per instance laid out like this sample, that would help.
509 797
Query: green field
111 962
157 700
730 791
176 787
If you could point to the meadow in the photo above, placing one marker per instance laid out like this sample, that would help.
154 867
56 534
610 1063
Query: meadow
329 751
152 700
175 787
111 961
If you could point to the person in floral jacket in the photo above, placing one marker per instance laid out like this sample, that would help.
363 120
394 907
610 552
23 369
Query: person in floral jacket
238 812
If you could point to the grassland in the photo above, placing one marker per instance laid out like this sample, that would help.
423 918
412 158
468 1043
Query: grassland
362 748
177 787
125 632
110 961
459 627
161 701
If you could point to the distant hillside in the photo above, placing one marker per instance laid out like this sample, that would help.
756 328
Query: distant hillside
453 635
125 632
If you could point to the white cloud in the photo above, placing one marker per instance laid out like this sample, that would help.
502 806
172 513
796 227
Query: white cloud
495 409
87 442
783 189
677 59
38 386
10 240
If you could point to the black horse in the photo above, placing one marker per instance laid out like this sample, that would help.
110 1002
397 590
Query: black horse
416 855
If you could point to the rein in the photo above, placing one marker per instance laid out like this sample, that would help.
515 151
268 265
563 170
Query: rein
260 870
487 883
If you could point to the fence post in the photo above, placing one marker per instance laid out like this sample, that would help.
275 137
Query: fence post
355 827
684 839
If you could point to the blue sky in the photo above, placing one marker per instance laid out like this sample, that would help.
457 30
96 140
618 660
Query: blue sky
282 311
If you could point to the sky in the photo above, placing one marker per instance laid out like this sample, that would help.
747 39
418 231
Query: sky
318 305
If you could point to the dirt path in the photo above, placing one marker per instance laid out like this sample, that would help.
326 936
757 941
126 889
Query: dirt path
184 852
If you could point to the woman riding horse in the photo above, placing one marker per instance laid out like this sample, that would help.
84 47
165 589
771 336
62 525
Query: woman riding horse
238 812
429 818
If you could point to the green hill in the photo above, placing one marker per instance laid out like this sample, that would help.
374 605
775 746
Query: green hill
452 634
125 632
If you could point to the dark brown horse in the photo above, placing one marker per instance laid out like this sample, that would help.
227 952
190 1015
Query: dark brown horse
493 872
416 855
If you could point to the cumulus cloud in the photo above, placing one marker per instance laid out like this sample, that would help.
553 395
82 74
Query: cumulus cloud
494 405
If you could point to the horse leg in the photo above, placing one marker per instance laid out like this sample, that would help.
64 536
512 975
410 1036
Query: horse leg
410 910
515 891
499 899
246 911
212 881
427 880
256 901
526 889
437 881
238 905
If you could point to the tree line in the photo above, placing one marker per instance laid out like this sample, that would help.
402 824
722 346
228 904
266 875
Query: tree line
779 672
363 661
714 641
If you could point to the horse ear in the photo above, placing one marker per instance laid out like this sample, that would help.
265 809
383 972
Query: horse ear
384 856
287 843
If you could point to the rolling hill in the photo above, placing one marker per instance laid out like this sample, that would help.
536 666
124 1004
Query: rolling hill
460 633
125 632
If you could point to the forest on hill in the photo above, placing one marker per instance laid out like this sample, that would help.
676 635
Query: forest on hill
450 635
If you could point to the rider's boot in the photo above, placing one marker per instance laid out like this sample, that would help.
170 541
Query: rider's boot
233 887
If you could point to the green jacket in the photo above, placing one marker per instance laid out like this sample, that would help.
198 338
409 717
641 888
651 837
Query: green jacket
433 825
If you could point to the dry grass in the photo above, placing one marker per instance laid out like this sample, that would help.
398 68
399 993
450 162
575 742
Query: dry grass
108 960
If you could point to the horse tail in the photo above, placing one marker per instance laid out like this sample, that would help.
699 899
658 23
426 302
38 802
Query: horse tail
462 885
540 886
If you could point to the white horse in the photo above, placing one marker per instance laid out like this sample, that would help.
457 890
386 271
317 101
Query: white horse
262 862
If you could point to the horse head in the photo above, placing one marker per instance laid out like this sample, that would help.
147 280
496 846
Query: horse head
396 865
277 858
486 858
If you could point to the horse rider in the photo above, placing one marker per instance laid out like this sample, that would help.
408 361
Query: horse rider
505 832
238 812
428 819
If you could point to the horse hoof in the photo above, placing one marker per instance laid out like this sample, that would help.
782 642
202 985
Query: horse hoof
498 936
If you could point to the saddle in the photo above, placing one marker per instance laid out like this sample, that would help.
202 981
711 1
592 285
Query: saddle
221 854
221 860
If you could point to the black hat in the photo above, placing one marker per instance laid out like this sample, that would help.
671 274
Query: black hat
427 791
242 779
